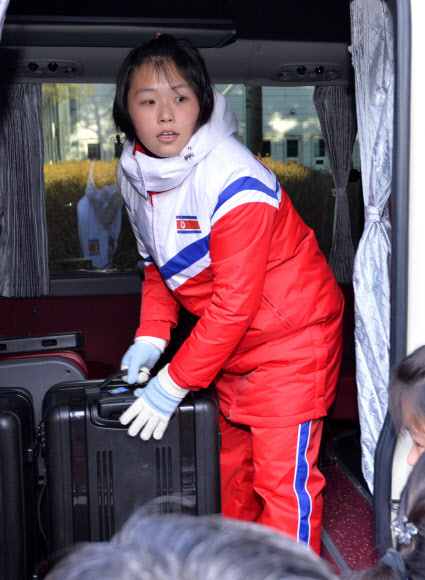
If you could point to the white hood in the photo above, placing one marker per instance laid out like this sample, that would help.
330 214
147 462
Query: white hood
152 174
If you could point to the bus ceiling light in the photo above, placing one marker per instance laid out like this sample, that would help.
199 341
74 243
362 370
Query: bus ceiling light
49 69
309 71
70 71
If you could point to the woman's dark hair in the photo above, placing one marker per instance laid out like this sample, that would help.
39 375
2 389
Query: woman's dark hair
408 383
412 505
164 53
412 502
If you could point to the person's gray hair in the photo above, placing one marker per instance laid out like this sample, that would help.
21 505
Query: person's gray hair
157 546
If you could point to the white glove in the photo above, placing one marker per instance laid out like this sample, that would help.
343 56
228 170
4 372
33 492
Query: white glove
152 410
140 358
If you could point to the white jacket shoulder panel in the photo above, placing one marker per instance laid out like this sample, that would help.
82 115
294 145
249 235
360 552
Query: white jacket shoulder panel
231 176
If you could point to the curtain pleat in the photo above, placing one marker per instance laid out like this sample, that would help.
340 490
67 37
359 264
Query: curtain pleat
23 236
3 7
335 106
373 60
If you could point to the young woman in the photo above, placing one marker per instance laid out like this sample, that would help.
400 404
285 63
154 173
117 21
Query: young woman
220 237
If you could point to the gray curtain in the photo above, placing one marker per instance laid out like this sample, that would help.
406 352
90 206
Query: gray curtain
23 235
372 33
336 110
3 7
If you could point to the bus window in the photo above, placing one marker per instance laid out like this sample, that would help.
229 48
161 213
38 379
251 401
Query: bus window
88 228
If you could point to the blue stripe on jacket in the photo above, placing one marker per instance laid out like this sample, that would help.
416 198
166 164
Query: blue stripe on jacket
242 184
300 483
198 249
186 257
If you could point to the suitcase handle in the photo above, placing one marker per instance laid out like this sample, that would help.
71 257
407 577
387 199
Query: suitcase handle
102 410
114 375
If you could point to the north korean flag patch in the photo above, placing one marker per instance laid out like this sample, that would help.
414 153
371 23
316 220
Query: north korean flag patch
187 224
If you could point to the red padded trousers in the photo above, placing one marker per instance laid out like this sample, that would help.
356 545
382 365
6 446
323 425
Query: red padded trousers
270 476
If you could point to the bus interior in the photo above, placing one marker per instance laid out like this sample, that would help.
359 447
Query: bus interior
71 274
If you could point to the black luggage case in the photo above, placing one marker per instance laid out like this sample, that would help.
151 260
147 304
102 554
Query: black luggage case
97 474
19 536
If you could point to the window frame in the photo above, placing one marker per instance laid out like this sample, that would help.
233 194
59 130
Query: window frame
101 284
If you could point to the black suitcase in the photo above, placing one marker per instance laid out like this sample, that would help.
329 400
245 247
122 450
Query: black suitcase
97 474
20 540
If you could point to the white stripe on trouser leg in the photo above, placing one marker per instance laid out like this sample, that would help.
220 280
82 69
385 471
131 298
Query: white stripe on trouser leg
302 470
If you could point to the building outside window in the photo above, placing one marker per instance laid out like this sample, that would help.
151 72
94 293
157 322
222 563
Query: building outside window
265 148
319 151
293 149
93 150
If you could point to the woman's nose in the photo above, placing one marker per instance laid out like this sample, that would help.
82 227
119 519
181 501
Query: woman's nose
165 114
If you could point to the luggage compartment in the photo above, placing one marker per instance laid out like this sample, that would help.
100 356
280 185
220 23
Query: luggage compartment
97 475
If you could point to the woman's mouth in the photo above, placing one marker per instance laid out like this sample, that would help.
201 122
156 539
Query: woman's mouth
167 136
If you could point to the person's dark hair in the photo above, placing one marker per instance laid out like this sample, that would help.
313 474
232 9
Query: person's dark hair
164 53
157 546
408 384
411 555
413 497
381 572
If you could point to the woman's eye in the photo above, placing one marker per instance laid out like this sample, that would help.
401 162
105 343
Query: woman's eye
181 99
148 102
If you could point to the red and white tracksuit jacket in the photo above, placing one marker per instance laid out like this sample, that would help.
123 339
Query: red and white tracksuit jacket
221 237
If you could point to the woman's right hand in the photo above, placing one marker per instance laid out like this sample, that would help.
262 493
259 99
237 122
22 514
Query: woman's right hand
139 359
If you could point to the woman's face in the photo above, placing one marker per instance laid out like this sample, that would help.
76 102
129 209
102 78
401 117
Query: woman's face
416 429
164 110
